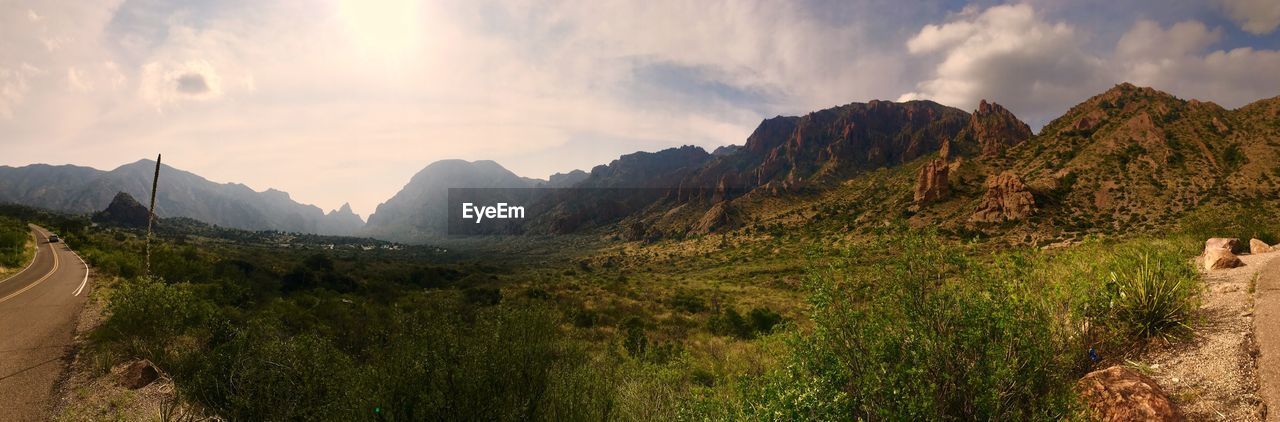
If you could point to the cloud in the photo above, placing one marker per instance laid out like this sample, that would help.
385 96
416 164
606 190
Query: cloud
1010 55
192 83
1175 59
1259 17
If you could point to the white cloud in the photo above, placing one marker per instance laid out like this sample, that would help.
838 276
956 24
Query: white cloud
1176 60
1259 17
1010 55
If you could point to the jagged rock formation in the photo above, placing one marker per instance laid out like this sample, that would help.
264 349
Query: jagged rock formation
123 211
342 222
996 129
1006 199
1122 394
931 182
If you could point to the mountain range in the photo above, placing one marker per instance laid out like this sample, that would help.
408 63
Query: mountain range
1130 158
84 190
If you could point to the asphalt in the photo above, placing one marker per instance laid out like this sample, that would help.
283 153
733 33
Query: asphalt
39 307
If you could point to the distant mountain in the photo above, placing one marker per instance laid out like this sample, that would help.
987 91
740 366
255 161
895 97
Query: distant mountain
181 194
340 222
419 211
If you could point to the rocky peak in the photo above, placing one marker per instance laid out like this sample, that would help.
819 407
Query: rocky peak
996 128
124 211
1006 199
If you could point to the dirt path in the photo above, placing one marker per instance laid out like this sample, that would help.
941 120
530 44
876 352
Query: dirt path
1214 376
1267 330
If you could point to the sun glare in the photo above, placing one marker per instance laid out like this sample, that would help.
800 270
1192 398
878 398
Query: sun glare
384 27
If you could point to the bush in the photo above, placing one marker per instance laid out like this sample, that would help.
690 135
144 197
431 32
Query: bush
928 335
1152 295
13 242
148 316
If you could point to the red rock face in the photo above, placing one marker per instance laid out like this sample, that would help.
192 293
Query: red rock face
1007 199
787 153
997 129
931 182
1122 394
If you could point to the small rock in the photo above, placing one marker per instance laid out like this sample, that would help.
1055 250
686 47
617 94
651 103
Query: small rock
1257 246
1122 394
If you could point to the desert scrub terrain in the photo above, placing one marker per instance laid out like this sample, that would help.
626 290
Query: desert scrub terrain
893 323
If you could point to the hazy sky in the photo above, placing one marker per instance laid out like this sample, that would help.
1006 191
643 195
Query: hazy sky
337 100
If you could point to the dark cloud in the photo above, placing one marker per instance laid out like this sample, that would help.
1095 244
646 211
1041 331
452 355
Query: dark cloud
193 84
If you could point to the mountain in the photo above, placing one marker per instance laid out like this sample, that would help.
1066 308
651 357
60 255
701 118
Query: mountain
340 222
1131 159
792 153
181 194
419 211
123 211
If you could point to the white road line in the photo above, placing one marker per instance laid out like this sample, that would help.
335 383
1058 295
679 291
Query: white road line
86 273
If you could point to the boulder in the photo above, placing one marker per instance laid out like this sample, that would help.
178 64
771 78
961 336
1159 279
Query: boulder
1221 259
1007 199
1230 243
931 182
1257 246
1219 254
1123 394
138 374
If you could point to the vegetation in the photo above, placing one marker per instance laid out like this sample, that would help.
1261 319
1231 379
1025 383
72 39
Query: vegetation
14 237
898 324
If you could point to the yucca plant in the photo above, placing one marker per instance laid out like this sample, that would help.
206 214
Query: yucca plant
1153 297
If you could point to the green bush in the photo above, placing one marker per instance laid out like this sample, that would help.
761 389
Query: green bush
13 242
1152 295
927 335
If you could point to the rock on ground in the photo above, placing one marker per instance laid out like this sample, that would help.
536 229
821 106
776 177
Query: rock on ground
1119 393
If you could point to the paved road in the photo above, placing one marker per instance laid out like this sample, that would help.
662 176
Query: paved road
1266 327
38 311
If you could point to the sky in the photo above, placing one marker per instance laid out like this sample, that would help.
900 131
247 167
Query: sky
341 101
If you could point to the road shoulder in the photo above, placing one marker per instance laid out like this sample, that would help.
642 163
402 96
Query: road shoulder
1266 326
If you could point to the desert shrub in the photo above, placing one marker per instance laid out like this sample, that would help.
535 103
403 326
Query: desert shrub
688 302
483 296
926 335
729 322
763 320
13 242
147 316
1151 294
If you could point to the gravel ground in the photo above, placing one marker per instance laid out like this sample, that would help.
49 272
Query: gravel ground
1213 376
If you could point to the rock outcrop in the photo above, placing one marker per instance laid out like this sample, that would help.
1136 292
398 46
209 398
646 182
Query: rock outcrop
1219 254
1258 246
996 129
931 182
1122 394
1007 199
123 211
